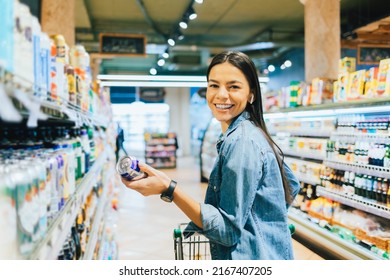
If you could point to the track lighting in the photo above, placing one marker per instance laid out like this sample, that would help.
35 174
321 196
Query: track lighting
183 24
153 71
192 14
161 62
166 54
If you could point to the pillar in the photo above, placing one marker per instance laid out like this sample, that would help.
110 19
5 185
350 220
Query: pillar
58 17
322 38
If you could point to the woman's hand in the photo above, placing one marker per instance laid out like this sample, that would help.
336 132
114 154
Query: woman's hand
155 183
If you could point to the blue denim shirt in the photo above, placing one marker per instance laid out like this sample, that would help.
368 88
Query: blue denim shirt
244 214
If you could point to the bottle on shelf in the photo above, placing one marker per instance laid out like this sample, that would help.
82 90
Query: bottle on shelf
385 189
388 197
86 150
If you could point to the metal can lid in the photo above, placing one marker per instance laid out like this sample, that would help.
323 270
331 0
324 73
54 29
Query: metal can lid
126 162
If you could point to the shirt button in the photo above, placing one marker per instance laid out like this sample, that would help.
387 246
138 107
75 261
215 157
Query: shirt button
212 245
215 188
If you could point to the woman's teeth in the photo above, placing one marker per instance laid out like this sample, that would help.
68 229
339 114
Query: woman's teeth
223 106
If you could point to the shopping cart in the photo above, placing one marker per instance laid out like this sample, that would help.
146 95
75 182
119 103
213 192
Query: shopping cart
197 246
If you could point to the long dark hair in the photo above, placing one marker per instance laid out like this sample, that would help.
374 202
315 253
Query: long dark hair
255 110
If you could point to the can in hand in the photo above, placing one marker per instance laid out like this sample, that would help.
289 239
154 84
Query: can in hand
127 167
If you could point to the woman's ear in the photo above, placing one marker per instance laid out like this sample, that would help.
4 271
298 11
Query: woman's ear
252 98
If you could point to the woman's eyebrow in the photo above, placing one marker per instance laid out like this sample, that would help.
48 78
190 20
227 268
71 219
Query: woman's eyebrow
229 82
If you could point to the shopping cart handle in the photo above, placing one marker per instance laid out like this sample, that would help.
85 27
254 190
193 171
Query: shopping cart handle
291 227
176 233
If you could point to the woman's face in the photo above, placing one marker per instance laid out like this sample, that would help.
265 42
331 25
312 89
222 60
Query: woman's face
228 93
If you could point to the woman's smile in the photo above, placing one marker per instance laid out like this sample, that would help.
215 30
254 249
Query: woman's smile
223 107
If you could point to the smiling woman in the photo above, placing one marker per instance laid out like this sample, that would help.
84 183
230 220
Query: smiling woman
242 215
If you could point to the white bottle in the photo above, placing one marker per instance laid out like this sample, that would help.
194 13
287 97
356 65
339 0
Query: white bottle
36 39
7 35
8 218
45 66
23 46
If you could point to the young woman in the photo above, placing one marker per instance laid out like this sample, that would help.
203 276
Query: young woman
244 214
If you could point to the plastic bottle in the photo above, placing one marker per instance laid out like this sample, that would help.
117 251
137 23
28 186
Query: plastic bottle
45 66
23 46
7 35
86 149
36 38
8 216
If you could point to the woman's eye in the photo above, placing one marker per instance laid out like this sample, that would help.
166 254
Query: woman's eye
213 86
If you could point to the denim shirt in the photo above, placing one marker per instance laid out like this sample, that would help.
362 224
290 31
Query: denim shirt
244 214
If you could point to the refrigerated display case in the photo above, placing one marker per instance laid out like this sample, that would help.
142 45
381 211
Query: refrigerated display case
339 151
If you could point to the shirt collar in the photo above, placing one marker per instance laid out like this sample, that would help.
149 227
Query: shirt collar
233 125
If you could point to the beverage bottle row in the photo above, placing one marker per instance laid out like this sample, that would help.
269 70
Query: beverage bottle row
306 194
75 245
360 124
359 152
361 185
38 175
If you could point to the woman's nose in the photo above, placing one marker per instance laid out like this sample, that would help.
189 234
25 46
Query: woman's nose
222 92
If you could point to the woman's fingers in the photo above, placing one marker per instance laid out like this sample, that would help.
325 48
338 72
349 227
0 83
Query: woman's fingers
155 183
147 169
150 185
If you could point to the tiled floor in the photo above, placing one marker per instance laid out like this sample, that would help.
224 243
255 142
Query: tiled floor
145 225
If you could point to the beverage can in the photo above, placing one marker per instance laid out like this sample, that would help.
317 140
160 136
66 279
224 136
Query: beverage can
127 167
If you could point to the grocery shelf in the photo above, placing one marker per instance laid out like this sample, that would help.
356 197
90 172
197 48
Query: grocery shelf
304 154
366 169
325 240
97 219
320 133
37 109
367 137
57 233
375 105
308 180
160 149
356 202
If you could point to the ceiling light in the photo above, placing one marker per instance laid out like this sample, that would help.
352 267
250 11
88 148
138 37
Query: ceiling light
271 68
161 62
171 42
287 63
153 71
191 13
165 55
183 24
193 16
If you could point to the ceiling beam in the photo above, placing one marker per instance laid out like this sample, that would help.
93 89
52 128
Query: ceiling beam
150 21
385 38
88 8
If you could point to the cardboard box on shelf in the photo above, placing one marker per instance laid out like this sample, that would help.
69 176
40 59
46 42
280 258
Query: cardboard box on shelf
383 87
347 64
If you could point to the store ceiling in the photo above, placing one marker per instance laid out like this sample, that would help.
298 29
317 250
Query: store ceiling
262 28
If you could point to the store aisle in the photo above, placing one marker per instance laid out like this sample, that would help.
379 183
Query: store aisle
145 224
